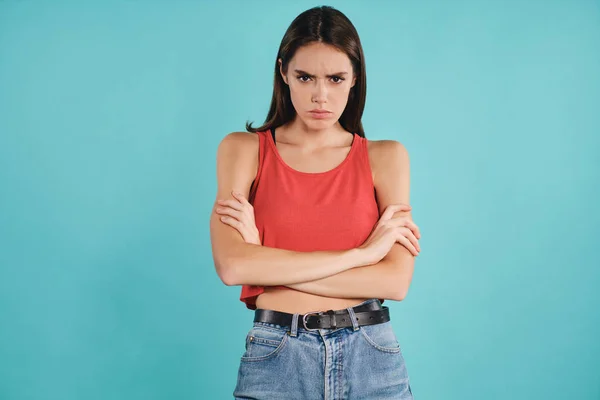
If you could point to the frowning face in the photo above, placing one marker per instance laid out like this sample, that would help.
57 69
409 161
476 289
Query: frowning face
320 78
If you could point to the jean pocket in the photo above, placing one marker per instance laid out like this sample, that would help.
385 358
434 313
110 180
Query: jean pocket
381 337
263 343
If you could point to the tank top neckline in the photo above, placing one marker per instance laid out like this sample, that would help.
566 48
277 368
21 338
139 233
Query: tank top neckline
353 147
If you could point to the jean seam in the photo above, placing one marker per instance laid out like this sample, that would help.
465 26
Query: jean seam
378 347
271 354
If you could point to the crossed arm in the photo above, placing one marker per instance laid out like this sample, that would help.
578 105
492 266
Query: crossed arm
390 278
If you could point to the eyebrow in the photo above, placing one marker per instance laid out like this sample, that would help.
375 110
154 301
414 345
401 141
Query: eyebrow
299 71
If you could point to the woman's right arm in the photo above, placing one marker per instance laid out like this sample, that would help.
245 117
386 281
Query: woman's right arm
238 262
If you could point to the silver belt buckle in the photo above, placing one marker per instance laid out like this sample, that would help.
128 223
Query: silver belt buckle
305 316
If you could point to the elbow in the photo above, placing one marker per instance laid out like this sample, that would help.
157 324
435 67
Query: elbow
401 282
395 288
225 272
401 295
227 279
401 285
398 292
401 267
227 265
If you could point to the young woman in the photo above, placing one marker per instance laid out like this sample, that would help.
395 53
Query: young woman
312 219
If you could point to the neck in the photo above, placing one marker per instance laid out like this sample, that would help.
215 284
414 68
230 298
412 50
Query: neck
300 134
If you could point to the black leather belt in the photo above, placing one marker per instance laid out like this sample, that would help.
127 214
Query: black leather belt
366 314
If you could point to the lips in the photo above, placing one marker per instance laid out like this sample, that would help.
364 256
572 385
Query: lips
320 114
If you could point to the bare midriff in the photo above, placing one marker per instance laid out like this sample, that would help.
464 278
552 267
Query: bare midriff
294 301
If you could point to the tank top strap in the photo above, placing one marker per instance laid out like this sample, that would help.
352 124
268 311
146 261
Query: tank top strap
363 160
269 158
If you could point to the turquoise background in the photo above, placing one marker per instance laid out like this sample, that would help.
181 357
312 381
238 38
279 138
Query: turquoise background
110 117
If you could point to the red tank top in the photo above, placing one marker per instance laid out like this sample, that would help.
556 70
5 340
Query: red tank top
304 211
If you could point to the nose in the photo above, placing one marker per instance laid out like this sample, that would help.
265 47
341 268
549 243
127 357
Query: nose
320 93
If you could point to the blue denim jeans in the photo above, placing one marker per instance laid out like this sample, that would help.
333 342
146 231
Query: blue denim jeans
287 363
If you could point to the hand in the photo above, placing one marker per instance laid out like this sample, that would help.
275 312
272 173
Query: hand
390 230
239 214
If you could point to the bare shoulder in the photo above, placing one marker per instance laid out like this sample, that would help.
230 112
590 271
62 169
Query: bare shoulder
241 141
238 156
386 157
241 145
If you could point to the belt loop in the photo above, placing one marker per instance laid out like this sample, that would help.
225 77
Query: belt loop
294 328
333 322
352 318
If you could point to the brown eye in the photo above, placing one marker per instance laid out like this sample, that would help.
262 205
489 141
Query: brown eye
340 80
303 76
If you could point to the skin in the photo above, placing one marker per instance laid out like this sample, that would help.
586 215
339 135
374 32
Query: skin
320 91
239 214
314 145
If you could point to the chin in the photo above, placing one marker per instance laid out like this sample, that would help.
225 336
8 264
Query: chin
320 125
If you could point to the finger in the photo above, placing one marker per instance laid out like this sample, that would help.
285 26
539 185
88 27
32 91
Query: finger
235 204
237 220
407 222
407 233
247 207
392 208
231 212
413 227
415 230
406 243
241 198
230 221
238 226
234 223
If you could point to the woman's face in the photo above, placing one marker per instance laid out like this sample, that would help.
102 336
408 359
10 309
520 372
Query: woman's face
319 77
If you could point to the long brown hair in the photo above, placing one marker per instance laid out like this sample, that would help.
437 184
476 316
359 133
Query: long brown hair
326 25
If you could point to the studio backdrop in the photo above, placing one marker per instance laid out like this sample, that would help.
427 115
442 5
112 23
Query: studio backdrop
110 117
